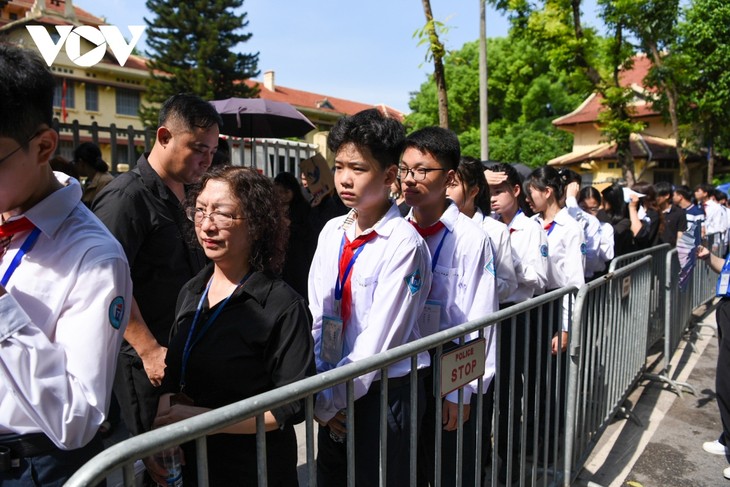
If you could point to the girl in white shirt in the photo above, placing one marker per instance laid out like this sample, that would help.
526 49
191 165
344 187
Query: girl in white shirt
527 239
566 256
470 192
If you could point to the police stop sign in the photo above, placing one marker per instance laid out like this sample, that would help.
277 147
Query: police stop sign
462 365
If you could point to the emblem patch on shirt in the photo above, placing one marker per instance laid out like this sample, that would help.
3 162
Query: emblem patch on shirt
490 267
583 248
544 250
116 312
414 282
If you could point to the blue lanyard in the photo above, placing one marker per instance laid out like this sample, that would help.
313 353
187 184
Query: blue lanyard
189 343
438 250
552 227
341 280
24 249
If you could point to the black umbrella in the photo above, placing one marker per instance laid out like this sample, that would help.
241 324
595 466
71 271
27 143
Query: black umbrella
260 118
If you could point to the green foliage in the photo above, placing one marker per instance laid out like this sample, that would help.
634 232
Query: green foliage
525 95
192 49
704 45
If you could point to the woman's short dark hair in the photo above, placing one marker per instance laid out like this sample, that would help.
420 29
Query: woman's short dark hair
267 228
471 175
289 181
543 178
90 154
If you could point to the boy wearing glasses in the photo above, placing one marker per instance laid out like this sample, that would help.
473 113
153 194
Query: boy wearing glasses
142 208
463 288
65 293
367 287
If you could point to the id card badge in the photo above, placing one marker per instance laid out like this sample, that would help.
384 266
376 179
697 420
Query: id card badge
722 284
431 317
331 351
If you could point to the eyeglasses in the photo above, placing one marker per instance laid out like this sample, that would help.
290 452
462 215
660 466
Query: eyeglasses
220 220
418 174
12 153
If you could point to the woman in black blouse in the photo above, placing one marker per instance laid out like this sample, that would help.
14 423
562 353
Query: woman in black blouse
239 330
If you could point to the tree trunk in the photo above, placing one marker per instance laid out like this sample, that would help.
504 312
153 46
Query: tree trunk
626 161
710 163
671 93
438 51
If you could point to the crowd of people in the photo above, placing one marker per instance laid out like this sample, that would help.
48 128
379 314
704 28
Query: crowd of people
185 287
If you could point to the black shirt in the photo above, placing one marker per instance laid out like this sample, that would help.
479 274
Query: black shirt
261 340
150 223
675 221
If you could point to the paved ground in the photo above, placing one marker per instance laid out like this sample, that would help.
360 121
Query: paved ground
666 449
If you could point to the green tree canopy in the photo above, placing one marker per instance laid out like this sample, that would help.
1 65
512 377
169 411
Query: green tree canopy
525 95
192 49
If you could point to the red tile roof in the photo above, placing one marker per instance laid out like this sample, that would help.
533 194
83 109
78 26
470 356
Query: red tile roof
305 100
588 111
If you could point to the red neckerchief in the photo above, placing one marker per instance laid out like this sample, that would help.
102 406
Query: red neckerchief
428 231
347 255
8 229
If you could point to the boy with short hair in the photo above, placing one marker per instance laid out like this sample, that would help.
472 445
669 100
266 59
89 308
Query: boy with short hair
65 292
368 283
463 288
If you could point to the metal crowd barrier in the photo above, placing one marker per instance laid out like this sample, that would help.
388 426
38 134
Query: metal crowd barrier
549 410
124 454
607 351
656 301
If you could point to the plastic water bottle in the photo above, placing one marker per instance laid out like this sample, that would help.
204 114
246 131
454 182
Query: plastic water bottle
171 458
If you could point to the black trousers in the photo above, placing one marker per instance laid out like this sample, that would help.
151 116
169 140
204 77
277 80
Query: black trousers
722 376
135 393
427 447
332 456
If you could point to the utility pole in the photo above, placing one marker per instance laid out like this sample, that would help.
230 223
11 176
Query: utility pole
483 95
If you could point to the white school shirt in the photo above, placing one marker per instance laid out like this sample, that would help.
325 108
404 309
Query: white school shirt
594 259
62 323
715 218
390 281
566 256
463 283
504 267
528 240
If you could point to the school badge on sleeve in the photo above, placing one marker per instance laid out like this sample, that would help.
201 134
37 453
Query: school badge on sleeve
414 281
544 250
116 312
583 248
490 267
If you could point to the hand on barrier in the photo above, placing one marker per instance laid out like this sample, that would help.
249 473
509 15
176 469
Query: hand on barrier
563 337
702 252
450 415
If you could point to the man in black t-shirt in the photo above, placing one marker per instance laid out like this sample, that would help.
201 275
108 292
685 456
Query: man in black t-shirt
674 218
143 209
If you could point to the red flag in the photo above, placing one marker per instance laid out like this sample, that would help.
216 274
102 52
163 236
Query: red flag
64 113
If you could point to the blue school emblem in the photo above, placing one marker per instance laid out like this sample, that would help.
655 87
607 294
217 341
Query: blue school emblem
544 250
414 282
583 248
490 267
116 312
